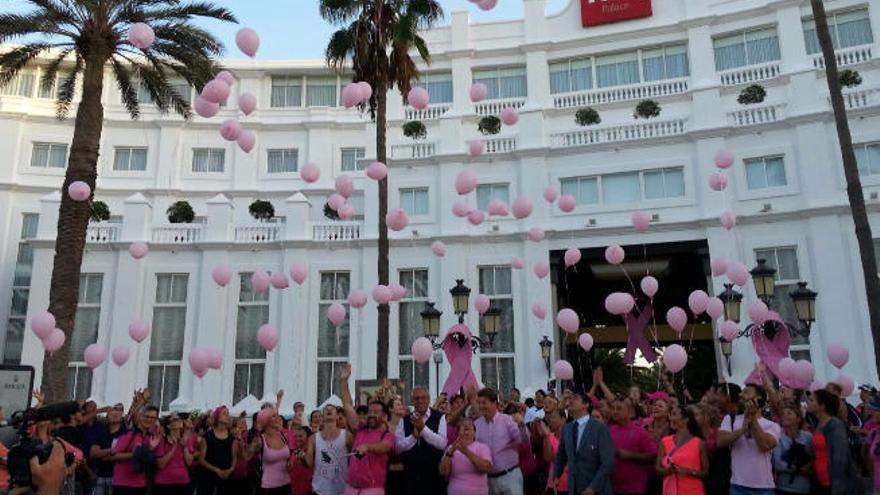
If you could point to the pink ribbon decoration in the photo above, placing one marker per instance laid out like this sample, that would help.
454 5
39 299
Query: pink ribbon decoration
457 346
635 328
770 352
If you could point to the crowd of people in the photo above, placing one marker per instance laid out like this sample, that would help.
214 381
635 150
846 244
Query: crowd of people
756 439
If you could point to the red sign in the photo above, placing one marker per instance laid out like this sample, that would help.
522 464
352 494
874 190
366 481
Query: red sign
596 12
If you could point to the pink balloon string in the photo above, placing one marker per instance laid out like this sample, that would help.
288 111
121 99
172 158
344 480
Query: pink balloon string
635 328
460 375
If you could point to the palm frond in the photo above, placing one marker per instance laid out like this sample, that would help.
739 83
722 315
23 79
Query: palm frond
67 89
20 25
427 12
173 12
50 71
339 11
124 81
15 59
340 48
197 41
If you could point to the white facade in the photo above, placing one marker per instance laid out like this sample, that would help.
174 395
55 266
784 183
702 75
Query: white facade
787 189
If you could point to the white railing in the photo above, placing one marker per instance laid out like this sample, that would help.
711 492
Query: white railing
258 233
500 145
756 115
621 93
430 113
645 130
337 231
752 73
494 107
181 233
860 99
846 56
412 150
102 233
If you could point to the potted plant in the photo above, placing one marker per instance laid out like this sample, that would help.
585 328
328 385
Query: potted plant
647 109
262 210
100 212
330 213
850 78
752 94
415 129
489 124
587 116
180 212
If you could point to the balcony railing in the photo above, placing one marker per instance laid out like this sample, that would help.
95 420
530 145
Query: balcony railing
860 99
752 73
756 115
615 134
258 233
500 144
181 233
413 150
102 233
494 107
846 56
621 93
432 112
337 231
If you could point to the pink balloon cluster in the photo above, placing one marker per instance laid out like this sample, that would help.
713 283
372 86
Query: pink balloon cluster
356 93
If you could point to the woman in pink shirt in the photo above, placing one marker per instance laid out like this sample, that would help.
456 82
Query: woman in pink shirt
273 447
173 459
551 447
467 462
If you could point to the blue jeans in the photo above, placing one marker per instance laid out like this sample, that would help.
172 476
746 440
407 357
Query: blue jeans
744 490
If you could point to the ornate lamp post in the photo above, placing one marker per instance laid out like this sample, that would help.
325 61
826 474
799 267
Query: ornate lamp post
460 299
431 322
727 351
764 278
732 303
546 347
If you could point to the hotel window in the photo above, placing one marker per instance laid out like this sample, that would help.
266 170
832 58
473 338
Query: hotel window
668 62
868 158
621 188
438 85
746 48
503 83
49 155
664 183
628 187
414 201
321 92
208 160
179 87
21 288
617 70
584 189
250 358
412 374
349 161
332 341
496 364
129 159
85 333
51 92
488 192
632 67
166 337
785 260
282 161
765 172
571 75
852 28
286 91
20 85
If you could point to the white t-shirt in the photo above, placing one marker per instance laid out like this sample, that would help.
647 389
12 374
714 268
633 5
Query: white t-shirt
750 467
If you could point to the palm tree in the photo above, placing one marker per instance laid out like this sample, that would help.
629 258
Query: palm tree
851 172
376 37
90 36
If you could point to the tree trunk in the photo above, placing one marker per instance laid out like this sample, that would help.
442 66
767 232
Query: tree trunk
853 182
381 155
73 220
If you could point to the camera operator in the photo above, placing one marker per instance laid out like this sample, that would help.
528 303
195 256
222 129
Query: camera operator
133 451
46 478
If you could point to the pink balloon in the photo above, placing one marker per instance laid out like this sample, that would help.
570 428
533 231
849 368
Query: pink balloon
215 358
260 281
226 76
846 383
138 330
568 320
381 294
758 312
476 147
216 91
438 248
649 286
335 201
336 314
719 266
787 369
497 207
724 158
698 300
717 181
478 92
614 254
199 359
539 311
561 369
517 263
522 207
489 5
572 257
94 355
119 355
675 358
728 219
460 209
509 116
619 303
248 41
482 303
398 291
230 130
357 299
42 324
138 249
366 90
247 103
221 274
79 191
279 281
676 318
465 181
298 273
729 329
247 140
346 212
418 98
397 219
351 95
550 194
838 355
536 234
738 273
141 35
310 173
345 186
205 108
475 217
377 171
542 268
585 340
422 350
640 221
567 203
715 308
267 337
804 372
54 341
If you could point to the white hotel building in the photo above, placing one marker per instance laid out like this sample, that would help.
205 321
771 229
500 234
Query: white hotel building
692 57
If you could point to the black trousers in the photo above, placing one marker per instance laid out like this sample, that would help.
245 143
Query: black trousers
210 484
127 490
171 489
281 490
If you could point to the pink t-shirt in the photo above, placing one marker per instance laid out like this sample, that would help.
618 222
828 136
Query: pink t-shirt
124 473
751 468
562 482
464 479
369 471
275 473
631 476
175 472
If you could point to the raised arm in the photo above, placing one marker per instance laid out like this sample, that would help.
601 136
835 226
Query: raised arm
347 403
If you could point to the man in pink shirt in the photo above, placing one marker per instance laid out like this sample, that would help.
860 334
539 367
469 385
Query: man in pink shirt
503 434
127 478
635 451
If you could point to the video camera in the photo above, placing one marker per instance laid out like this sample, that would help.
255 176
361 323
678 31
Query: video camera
27 447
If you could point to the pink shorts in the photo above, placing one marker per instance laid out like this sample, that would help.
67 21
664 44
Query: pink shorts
363 491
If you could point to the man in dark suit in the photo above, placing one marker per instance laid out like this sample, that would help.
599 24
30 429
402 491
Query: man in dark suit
586 449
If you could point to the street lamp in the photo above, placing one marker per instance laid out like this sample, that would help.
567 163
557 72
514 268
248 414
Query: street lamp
764 277
491 321
727 351
460 298
438 360
546 347
431 322
804 304
732 303
491 324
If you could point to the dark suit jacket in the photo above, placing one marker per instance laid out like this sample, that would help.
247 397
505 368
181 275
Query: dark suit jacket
589 463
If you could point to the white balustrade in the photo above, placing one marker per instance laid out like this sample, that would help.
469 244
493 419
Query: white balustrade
102 233
337 231
621 93
179 233
413 150
752 73
432 112
258 233
860 98
500 144
756 115
846 56
598 135
494 107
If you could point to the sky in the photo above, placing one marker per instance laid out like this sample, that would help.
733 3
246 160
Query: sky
294 29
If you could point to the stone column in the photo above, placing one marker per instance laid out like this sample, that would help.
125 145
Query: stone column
220 219
297 225
137 218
